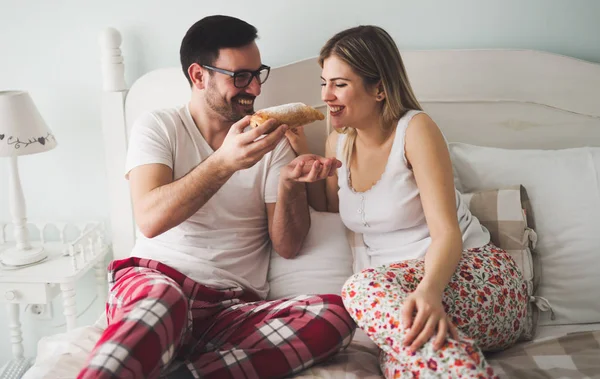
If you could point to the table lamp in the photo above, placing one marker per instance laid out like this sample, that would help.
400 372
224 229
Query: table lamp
22 132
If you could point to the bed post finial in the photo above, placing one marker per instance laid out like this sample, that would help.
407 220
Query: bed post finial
113 70
114 130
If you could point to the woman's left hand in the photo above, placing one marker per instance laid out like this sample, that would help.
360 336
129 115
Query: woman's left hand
297 140
430 319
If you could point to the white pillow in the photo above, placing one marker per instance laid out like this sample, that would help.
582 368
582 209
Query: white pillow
322 266
563 190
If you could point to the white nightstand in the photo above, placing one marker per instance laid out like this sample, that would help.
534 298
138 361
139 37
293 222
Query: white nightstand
67 262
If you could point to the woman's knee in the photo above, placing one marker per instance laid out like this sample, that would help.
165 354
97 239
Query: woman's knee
361 279
382 281
354 285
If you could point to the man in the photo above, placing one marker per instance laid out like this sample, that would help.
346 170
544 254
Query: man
211 196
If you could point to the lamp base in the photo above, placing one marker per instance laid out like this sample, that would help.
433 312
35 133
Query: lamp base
17 257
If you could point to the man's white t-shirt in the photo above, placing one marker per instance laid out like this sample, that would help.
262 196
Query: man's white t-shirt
226 243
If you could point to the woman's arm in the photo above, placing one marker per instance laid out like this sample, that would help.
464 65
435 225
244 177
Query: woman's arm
427 153
322 194
428 156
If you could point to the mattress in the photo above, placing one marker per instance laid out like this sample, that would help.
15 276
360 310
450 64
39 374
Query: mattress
567 351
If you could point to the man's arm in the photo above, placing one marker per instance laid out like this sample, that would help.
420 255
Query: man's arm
289 219
159 203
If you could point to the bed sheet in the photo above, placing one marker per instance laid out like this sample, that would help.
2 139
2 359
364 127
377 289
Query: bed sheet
567 351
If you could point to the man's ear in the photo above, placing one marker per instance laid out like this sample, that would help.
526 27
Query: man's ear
196 74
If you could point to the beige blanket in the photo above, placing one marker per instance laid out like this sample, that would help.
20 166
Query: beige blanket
574 356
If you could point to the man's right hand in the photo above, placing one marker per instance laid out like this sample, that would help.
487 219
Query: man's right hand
241 150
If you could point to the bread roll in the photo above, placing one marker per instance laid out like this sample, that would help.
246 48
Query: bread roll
292 114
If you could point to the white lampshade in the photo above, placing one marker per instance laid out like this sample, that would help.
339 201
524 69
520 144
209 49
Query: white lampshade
22 132
22 129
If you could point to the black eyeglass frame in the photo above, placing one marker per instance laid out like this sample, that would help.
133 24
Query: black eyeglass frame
236 74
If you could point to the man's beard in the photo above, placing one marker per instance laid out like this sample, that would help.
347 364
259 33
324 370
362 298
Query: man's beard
226 109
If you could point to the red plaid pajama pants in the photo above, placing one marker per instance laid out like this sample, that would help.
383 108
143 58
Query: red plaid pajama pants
157 316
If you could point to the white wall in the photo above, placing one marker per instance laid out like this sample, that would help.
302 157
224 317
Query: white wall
50 49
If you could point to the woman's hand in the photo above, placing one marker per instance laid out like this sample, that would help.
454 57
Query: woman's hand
309 168
297 140
430 319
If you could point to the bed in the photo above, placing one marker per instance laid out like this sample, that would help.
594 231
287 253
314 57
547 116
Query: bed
503 109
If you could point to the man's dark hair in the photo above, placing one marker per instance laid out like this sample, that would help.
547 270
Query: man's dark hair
203 40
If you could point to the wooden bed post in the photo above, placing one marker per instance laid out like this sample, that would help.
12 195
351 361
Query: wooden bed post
114 129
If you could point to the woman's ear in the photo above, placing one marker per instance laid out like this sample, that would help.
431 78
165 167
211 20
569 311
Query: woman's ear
379 92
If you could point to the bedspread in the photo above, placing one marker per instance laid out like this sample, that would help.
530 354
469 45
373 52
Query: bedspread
559 352
574 355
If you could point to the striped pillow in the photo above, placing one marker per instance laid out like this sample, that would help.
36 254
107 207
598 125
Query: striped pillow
506 213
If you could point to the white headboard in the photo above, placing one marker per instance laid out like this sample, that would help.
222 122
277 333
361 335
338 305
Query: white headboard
503 98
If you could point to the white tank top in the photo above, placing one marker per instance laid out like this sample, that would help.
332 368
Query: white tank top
390 214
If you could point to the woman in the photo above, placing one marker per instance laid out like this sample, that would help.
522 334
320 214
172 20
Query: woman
434 290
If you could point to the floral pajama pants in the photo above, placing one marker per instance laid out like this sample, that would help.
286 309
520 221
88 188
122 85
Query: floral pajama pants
157 316
486 299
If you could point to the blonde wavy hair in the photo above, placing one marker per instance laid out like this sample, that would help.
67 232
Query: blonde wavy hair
372 53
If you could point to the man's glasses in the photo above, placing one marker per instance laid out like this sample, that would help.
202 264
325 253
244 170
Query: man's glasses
242 78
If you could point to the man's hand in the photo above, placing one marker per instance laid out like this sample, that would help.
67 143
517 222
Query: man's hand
309 168
241 150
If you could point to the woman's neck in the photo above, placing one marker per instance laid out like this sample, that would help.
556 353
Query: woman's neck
375 135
